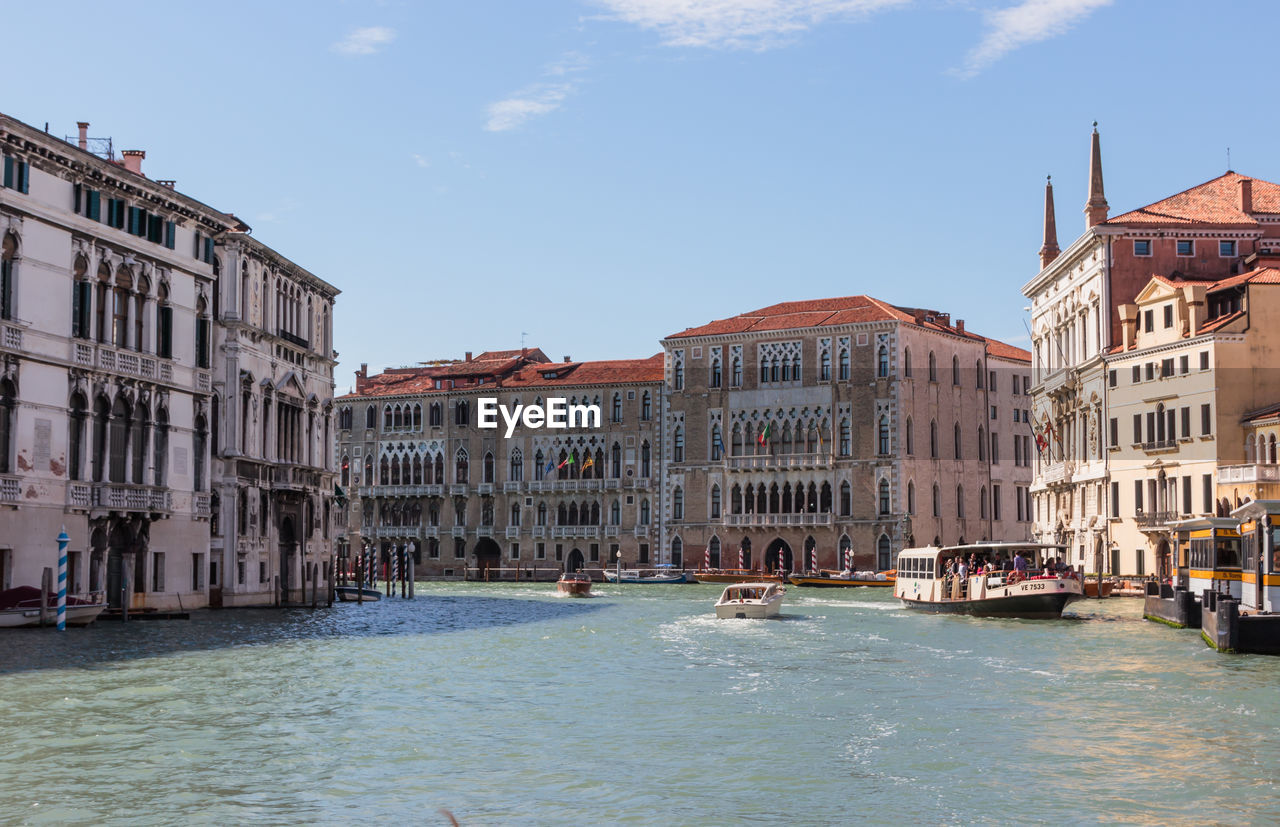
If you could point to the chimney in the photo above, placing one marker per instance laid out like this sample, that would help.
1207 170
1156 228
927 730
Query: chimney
361 376
524 352
1128 323
133 159
1246 195
567 359
1194 295
84 134
959 325
467 356
917 315
171 184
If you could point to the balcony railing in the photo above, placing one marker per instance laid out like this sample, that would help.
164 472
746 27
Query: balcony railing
79 494
401 490
538 532
484 531
511 487
10 489
1160 444
458 490
200 504
459 531
611 530
122 497
642 531
1255 472
484 489
1156 519
294 339
777 519
513 532
772 462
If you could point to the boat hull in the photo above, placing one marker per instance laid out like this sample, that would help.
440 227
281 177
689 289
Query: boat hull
351 594
1031 606
735 577
639 580
81 615
573 589
838 582
749 611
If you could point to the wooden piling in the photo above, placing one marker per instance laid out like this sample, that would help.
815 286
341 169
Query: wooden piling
46 585
315 584
360 579
386 577
409 564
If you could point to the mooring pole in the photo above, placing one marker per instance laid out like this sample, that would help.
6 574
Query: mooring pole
46 586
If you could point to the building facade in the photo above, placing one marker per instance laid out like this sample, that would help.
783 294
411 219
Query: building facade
273 515
109 305
468 501
804 433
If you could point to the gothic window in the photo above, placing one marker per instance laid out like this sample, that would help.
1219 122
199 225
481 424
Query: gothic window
677 447
882 438
203 344
911 498
736 446
884 497
460 466
824 366
960 501
539 469
646 407
911 438
844 363
439 466
120 296
882 362
8 275
906 362
982 502
884 553
542 513
140 427
200 448
644 512
715 502
677 553
384 471
615 461
459 511
955 370
517 465
933 438
677 504
617 407
488 467
678 377
717 446
824 504
435 415
735 372
846 499
715 372
956 438
937 501
8 400
461 414
75 435
615 513
388 420
933 367
846 438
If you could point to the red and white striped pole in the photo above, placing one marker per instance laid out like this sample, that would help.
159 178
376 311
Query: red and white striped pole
742 560
848 559
706 559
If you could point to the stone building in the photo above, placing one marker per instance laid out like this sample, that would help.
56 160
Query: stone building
799 432
113 404
273 474
468 500
1204 234
106 306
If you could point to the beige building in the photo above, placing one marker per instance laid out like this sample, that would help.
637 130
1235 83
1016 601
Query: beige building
466 499
804 431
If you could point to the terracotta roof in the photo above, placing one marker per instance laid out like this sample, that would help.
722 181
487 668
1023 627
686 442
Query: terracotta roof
1215 202
1262 413
1221 321
1262 275
833 312
607 372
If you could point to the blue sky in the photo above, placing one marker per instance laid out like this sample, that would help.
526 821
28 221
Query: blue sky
600 173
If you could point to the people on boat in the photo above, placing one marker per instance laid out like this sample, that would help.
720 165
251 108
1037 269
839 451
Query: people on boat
962 570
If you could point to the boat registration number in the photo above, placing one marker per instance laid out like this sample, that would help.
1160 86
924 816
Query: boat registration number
1033 587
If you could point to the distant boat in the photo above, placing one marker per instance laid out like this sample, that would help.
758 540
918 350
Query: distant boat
574 584
643 576
735 576
352 594
20 606
756 600
844 579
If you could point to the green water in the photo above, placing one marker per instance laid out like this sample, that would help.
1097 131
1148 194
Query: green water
505 704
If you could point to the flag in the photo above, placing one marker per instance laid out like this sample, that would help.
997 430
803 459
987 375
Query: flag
763 439
551 466
568 461
820 439
1040 443
590 462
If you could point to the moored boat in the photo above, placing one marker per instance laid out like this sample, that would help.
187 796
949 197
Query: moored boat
20 606
756 600
844 579
354 594
1008 580
648 576
735 576
574 584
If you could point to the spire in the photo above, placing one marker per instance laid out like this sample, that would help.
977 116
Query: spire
1050 250
1095 209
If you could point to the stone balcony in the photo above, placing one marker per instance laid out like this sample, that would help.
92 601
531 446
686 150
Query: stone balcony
401 491
1156 520
1059 473
1248 473
1062 380
777 519
513 532
10 489
143 498
777 462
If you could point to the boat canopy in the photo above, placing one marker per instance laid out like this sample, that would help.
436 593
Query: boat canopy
1035 551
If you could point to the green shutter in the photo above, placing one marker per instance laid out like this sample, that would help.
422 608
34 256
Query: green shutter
24 176
8 172
94 210
170 230
75 199
208 251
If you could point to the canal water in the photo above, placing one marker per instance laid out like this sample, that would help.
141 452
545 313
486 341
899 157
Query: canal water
506 704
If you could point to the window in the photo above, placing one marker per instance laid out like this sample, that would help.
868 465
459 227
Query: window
906 362
824 366
911 498
1184 364
460 466
735 372
884 497
715 502
955 370
933 367
1166 367
911 440
1186 421
715 374
677 503
1226 249
846 438
1204 360
960 501
1206 490
995 449
1168 316
844 363
677 447
461 414
644 512
517 465
1149 321
1137 374
1206 423
882 362
16 174
883 438
678 378
645 459
995 502
937 501
646 407
1115 432
1149 370
933 439
955 434
1186 247
1137 496
717 445
1142 246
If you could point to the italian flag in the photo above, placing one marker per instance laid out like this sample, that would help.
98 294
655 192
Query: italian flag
568 461
764 435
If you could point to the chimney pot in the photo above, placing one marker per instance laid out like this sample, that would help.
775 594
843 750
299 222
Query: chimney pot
84 134
960 325
567 359
467 356
133 159
1246 195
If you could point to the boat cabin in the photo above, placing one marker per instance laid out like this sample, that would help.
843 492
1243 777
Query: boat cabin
1260 555
930 574
1207 550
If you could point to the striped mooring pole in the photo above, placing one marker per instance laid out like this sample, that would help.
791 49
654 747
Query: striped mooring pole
848 559
63 542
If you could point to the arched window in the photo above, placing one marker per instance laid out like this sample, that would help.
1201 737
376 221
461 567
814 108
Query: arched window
677 503
140 429
715 372
933 367
615 461
203 343
982 443
824 366
75 435
488 467
646 406
417 470
384 471
617 407
937 501
911 497
933 438
960 501
370 417
882 362
846 499
1271 449
677 445
120 295
824 502
81 296
956 436
677 553
906 362
678 378
911 438
884 497
435 415
200 449
397 417
387 419
515 514
736 446
735 372
844 363
883 436
395 470
615 513
884 554
367 479
982 502
713 548
460 465
786 370
460 511
8 401
715 502
517 465
119 436
1250 449
644 512
542 513
8 273
978 371
955 370
461 413
846 438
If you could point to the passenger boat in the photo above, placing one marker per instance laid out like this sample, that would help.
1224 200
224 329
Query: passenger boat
20 606
826 579
735 576
574 584
756 600
924 583
648 576
355 594
1208 555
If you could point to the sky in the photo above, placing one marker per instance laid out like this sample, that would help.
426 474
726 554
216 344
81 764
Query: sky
588 176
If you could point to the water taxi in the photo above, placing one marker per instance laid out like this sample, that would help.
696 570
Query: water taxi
735 576
926 580
826 579
648 576
750 600
574 584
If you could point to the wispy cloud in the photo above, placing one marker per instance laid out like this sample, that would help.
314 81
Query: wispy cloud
1028 22
736 24
539 98
420 160
282 208
366 41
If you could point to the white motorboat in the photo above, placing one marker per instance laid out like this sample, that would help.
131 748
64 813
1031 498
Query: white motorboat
750 600
20 606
